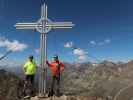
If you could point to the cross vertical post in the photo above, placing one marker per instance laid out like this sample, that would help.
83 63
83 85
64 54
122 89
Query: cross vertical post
43 50
43 26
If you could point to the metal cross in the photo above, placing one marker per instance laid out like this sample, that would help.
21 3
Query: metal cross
43 26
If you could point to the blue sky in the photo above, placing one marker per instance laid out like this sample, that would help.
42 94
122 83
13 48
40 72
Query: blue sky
103 28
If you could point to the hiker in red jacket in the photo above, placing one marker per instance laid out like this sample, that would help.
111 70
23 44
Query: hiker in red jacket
56 67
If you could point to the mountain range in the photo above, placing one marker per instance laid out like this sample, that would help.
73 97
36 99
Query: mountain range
103 80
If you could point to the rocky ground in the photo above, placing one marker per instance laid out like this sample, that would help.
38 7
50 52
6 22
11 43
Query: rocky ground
69 98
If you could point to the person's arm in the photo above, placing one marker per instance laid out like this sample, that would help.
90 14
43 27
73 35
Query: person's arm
24 67
48 63
62 66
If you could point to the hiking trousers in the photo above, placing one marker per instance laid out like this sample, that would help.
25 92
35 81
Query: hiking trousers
30 78
55 81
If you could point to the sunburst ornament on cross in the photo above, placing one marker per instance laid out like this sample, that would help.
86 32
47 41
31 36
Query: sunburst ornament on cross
43 26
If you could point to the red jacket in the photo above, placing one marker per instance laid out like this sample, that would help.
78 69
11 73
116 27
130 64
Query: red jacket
54 67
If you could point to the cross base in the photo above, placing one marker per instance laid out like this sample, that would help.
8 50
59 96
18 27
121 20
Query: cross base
42 96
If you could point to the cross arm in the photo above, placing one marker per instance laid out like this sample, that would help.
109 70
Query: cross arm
25 25
56 25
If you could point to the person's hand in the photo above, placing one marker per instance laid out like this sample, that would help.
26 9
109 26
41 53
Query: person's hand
47 62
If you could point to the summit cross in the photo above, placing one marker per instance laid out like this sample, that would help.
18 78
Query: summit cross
43 26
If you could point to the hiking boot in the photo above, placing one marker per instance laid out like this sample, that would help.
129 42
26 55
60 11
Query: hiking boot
27 97
51 93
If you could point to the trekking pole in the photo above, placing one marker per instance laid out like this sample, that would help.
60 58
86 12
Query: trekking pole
7 53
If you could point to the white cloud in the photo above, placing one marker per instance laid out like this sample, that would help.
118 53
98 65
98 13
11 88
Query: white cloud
68 45
79 52
101 43
93 42
14 45
107 41
82 55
